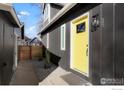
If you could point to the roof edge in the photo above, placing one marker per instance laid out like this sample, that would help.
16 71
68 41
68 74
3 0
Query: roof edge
10 9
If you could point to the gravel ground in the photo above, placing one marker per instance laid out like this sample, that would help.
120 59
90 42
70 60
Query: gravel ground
42 72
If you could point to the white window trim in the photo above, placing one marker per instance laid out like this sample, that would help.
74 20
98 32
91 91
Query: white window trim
63 47
49 13
46 13
47 16
47 40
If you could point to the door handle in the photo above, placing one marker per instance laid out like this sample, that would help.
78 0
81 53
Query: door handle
87 52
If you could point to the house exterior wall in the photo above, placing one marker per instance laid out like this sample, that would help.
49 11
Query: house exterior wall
45 17
119 46
54 9
6 49
15 51
1 47
44 40
105 43
55 48
54 37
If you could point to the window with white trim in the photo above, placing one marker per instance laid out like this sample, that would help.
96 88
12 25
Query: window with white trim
63 36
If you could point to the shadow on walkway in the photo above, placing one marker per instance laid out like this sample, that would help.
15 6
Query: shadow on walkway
24 75
41 71
31 73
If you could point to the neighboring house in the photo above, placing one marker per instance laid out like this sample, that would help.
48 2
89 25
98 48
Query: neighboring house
9 23
26 41
35 42
89 40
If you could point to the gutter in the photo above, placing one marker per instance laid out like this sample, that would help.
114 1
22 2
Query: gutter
58 16
10 9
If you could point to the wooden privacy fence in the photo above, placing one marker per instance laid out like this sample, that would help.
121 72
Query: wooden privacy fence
29 53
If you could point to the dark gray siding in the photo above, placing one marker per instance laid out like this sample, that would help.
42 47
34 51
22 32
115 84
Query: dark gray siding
44 40
119 37
65 58
101 44
95 42
7 52
106 43
1 48
54 37
54 9
54 44
55 48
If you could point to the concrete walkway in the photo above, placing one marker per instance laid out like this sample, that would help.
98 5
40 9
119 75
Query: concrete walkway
63 77
24 75
42 72
33 73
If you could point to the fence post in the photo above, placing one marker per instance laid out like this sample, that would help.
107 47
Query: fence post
30 52
19 55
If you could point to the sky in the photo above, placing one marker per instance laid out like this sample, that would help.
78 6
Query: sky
30 14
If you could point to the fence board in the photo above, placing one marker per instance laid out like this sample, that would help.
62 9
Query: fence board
30 53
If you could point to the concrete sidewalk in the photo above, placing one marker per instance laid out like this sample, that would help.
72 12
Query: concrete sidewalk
24 75
63 77
33 73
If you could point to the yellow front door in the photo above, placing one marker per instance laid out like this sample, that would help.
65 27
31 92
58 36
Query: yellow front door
79 44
